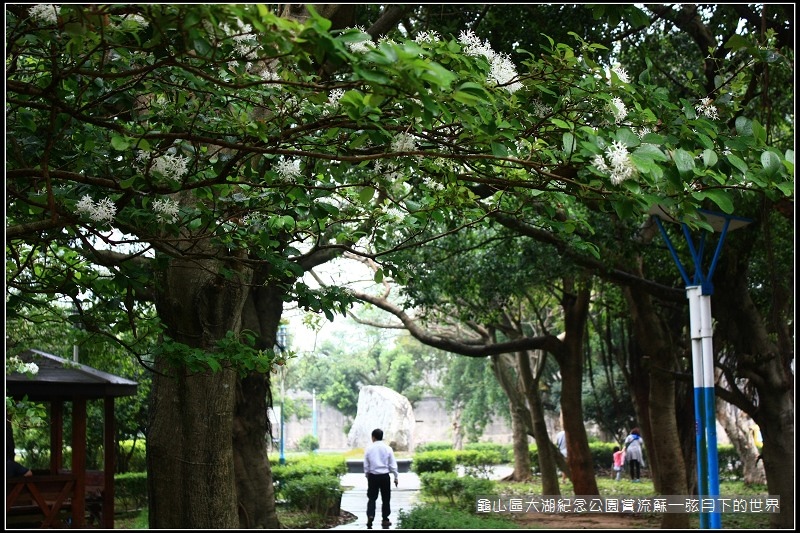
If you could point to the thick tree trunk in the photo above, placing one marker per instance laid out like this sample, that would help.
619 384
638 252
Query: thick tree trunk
189 448
760 360
660 430
252 431
570 361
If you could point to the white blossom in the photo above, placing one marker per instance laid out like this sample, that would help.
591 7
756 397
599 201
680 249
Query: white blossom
707 108
502 69
139 22
618 109
288 171
15 364
404 142
427 36
45 13
170 166
334 96
541 110
621 73
102 211
166 210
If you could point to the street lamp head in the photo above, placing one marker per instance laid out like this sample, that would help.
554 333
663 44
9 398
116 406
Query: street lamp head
282 337
716 220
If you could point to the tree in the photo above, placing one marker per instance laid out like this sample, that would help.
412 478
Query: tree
232 150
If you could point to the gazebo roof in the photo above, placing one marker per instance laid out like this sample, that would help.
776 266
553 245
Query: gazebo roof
62 379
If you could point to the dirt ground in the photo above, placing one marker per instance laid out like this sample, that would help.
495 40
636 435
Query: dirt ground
588 521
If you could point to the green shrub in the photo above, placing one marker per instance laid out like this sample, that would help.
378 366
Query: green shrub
459 491
130 490
436 461
433 446
319 494
478 463
534 454
308 443
132 456
506 451
436 517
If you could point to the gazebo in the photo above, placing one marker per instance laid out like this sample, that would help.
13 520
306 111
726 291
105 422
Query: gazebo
56 490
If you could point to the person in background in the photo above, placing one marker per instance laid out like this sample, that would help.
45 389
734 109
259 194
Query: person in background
13 468
619 462
633 454
379 463
561 442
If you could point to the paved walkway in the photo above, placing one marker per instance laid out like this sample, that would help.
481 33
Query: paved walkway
354 499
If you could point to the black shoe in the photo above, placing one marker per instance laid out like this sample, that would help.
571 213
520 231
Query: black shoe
386 523
369 522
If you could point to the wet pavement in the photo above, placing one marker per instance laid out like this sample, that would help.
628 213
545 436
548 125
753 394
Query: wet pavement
354 499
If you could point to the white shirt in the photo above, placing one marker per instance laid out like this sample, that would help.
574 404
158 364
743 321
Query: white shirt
379 459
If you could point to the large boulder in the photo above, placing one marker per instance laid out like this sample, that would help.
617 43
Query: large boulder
381 407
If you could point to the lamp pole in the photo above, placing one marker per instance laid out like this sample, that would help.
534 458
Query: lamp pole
698 291
281 342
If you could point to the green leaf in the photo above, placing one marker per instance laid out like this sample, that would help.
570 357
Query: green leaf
709 158
737 162
771 163
366 194
120 143
719 197
684 161
568 143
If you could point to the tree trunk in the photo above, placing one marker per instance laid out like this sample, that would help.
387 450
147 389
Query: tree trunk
189 448
547 453
519 427
570 361
660 429
252 431
767 368
735 424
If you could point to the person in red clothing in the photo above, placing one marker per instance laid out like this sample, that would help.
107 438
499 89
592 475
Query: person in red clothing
379 463
619 461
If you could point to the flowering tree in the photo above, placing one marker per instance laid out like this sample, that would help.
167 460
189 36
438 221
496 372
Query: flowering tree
202 158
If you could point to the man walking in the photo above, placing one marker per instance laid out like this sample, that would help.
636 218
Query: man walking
379 462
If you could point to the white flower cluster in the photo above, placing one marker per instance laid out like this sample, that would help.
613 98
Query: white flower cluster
288 171
361 47
620 166
139 22
45 13
707 108
166 210
170 166
541 110
101 211
15 364
618 109
621 73
404 142
334 96
427 37
502 70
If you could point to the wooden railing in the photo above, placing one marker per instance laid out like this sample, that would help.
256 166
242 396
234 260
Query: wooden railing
46 499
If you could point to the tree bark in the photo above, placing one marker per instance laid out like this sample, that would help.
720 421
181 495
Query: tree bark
735 424
767 368
190 450
659 429
519 428
570 361
256 494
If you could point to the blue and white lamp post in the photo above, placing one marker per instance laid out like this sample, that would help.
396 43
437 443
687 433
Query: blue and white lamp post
698 291
281 340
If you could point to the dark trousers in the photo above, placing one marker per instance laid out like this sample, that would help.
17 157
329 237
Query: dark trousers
379 483
636 469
